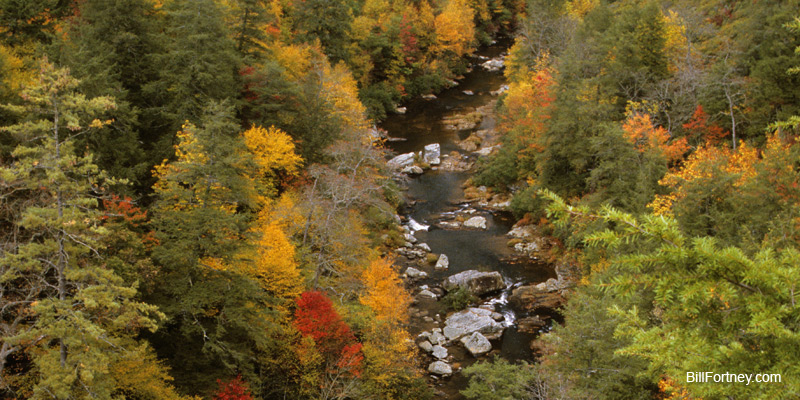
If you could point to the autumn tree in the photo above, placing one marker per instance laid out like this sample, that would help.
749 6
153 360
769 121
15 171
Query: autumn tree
455 28
234 389
389 365
316 318
63 308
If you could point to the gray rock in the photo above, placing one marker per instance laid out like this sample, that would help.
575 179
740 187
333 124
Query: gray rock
424 246
449 225
479 283
443 262
440 368
431 154
476 222
531 247
439 352
500 91
403 160
415 273
427 293
436 337
476 344
410 238
412 170
494 64
468 92
522 232
400 110
425 346
469 321
429 96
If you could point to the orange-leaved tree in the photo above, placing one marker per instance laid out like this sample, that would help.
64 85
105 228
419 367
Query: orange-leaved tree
640 130
388 348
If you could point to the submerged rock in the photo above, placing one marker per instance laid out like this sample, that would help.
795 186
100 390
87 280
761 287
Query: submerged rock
479 283
469 321
476 344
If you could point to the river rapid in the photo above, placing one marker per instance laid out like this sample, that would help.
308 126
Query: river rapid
437 195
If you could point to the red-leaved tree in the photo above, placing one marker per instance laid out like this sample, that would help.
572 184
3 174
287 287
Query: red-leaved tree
316 318
234 389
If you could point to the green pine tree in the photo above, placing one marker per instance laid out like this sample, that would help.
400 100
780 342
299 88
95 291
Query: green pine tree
77 319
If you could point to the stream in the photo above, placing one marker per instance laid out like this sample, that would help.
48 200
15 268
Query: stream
438 194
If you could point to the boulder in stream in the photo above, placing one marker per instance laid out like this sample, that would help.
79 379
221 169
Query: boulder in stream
443 262
534 297
403 160
476 222
531 324
412 170
479 283
431 154
472 320
414 273
440 368
426 346
476 344
494 64
427 293
439 352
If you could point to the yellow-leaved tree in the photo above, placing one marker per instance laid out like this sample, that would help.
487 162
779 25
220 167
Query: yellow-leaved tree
275 266
271 262
455 28
274 154
387 346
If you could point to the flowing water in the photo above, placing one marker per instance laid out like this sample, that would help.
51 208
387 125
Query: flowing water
437 193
